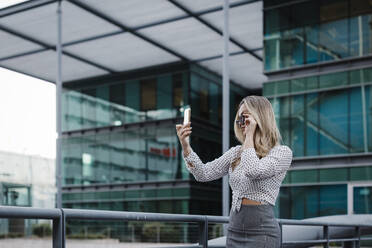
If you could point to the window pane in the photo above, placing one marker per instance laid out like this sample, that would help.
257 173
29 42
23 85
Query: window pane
362 200
304 202
117 103
284 120
333 200
89 108
177 89
361 173
213 102
368 93
311 43
102 106
356 121
304 176
297 125
334 174
132 101
148 94
333 122
361 75
312 124
333 80
164 105
195 97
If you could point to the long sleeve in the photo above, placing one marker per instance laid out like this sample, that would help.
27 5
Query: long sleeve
277 160
211 170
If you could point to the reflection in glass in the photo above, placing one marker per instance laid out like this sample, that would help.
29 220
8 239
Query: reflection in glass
297 125
333 122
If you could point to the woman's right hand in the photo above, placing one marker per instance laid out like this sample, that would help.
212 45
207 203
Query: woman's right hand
183 131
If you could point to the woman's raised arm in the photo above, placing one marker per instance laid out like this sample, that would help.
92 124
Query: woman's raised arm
211 170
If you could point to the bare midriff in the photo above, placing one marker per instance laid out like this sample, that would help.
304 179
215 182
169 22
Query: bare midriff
246 201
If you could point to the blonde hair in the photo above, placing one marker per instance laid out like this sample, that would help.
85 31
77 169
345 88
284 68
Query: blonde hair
267 134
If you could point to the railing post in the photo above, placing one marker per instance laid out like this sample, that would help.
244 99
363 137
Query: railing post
281 235
326 235
203 233
357 232
59 231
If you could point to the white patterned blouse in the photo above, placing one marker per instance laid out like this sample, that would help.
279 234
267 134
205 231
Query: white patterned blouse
253 178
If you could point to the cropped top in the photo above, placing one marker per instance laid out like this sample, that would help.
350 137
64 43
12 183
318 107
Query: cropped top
253 178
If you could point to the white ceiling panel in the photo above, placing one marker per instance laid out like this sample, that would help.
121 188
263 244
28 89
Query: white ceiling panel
41 23
44 65
245 23
12 45
134 13
188 37
244 70
122 52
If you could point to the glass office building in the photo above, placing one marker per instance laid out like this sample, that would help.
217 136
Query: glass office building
120 149
317 59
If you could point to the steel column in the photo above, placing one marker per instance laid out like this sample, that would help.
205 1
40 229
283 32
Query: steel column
225 109
58 106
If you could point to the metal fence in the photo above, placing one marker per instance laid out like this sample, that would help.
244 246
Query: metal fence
60 215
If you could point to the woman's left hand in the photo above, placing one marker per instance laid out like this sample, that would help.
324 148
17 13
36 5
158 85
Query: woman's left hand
251 127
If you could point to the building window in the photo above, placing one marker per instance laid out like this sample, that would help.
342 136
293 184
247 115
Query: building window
148 94
177 89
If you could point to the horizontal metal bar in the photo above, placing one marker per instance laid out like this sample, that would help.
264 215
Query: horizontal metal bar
318 223
124 215
29 212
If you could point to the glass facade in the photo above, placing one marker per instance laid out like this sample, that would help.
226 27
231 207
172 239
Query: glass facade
300 202
121 131
322 110
308 32
323 115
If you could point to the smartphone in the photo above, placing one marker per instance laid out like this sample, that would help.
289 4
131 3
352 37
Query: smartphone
186 118
186 115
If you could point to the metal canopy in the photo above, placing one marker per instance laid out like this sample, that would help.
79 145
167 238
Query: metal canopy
104 37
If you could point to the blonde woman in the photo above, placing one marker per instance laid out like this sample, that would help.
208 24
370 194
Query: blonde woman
256 169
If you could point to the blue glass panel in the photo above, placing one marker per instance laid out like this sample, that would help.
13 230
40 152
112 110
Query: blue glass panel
88 103
304 202
356 121
164 97
102 106
102 162
333 200
363 200
312 124
297 125
360 35
311 44
368 94
132 101
333 122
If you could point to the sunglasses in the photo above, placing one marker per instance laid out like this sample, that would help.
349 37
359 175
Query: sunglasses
241 120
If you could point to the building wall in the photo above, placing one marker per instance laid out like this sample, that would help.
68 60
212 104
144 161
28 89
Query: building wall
25 180
317 59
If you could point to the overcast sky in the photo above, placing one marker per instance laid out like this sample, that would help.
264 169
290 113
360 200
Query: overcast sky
27 112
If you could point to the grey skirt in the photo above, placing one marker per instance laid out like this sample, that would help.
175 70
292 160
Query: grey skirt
253 226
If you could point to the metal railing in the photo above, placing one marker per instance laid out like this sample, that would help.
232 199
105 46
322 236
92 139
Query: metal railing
60 215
